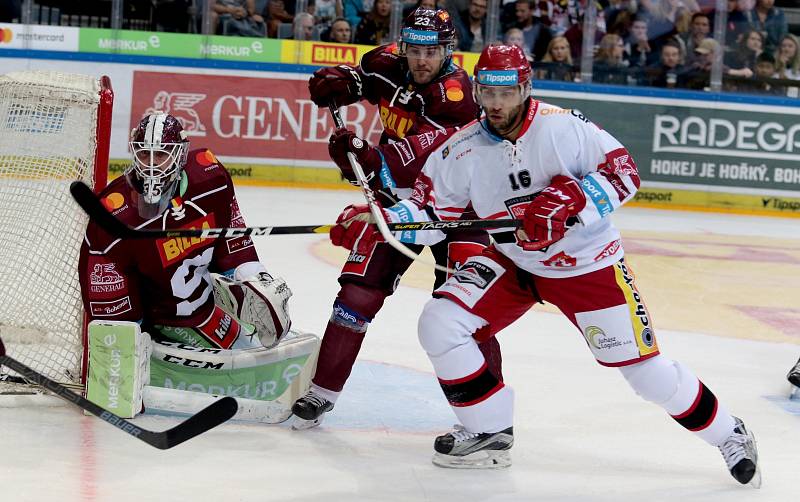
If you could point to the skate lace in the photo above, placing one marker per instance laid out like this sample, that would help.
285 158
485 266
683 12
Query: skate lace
315 399
461 434
733 449
510 151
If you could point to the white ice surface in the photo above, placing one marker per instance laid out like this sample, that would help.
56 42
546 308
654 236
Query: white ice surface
580 432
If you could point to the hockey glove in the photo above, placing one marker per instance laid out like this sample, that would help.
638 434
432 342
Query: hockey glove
343 141
261 301
355 229
340 85
545 219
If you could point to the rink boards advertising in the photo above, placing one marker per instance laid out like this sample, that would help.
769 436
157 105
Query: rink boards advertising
693 151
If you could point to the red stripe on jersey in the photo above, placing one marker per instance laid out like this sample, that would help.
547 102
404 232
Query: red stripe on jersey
497 216
529 117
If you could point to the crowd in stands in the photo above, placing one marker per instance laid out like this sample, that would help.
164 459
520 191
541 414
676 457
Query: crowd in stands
661 43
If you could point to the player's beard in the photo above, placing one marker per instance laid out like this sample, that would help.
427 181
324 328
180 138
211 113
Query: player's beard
509 125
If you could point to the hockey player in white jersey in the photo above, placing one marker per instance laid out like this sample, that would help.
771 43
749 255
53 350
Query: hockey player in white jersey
562 176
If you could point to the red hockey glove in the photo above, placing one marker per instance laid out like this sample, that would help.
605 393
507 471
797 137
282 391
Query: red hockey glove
338 84
343 141
355 229
545 220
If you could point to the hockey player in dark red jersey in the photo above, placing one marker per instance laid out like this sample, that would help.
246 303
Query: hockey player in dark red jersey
169 285
420 93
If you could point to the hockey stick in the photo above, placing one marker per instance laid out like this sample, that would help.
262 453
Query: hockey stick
91 204
377 213
208 418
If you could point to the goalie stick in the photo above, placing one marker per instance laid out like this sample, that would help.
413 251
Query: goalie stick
91 204
208 418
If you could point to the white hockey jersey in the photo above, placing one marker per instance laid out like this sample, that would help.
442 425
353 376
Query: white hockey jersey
497 178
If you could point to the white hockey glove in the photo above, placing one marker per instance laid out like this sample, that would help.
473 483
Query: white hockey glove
261 301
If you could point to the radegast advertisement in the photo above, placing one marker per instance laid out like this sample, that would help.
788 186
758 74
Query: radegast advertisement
696 153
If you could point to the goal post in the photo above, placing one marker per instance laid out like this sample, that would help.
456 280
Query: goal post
55 128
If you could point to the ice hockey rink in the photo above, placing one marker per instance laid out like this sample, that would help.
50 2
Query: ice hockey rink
723 293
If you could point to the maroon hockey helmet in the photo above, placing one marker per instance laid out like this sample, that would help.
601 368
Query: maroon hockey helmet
503 65
160 150
428 27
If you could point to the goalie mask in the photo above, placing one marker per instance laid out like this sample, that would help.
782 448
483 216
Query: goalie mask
160 149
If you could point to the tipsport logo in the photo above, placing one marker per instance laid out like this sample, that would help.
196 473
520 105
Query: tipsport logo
420 37
497 77
6 35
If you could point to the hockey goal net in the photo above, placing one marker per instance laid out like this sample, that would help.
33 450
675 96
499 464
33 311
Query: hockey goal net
54 129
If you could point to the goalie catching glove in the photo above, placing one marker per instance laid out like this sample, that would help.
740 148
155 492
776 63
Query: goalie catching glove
355 229
547 216
260 300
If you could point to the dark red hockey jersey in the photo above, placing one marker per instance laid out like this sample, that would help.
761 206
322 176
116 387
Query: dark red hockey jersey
164 281
407 109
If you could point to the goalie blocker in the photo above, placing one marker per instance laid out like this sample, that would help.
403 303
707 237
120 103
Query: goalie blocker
128 372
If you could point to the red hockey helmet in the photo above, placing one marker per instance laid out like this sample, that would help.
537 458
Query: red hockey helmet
503 65
160 149
428 27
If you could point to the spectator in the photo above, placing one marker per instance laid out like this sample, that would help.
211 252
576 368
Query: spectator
765 68
574 32
745 54
699 29
698 75
536 34
662 23
788 57
303 26
171 16
275 14
471 27
328 10
10 11
237 17
340 32
425 4
619 16
558 62
665 73
609 65
356 10
374 27
514 36
639 50
770 21
738 23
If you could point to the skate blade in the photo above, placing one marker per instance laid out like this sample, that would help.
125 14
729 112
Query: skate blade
487 459
301 424
756 481
794 392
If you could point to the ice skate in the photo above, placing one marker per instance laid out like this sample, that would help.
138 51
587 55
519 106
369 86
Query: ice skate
741 456
310 410
794 375
461 449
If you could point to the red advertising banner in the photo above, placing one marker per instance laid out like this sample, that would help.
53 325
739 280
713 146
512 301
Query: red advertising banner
269 119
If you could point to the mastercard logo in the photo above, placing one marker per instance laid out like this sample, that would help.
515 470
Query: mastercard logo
453 90
206 158
113 201
6 35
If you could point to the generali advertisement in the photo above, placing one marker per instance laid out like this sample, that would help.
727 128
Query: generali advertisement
248 119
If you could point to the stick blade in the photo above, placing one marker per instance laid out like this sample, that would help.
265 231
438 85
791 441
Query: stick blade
92 206
206 419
